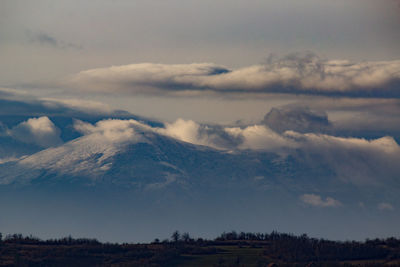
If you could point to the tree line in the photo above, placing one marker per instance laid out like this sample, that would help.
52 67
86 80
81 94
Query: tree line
273 247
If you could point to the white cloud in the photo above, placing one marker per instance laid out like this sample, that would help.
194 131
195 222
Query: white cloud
292 74
260 137
317 201
385 145
353 160
144 77
385 206
250 137
112 130
187 131
207 135
40 131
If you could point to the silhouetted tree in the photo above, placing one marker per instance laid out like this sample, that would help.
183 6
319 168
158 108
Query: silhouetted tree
175 236
185 237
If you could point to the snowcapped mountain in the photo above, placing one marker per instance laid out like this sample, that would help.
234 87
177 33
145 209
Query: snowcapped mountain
131 154
135 155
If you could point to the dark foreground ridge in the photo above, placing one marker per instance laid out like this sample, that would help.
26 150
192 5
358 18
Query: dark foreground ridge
229 249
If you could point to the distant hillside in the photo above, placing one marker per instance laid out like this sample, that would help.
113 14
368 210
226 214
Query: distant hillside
229 249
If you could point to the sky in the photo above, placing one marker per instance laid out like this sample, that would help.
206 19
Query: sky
46 44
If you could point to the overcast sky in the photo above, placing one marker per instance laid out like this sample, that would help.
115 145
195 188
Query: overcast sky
43 43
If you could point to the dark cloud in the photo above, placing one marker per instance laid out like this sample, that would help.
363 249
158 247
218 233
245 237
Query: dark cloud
299 119
42 38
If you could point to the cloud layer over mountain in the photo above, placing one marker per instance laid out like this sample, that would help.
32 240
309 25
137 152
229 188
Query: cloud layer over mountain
77 139
352 160
296 73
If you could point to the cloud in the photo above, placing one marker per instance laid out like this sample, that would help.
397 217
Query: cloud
87 106
8 159
298 119
214 136
295 74
17 102
188 131
369 118
147 78
40 131
353 160
46 39
43 38
260 137
255 137
14 94
385 206
317 201
112 130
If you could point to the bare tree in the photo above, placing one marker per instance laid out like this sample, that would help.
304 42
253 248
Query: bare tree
175 236
185 237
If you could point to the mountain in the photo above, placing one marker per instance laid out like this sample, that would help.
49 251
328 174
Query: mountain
142 159
126 173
